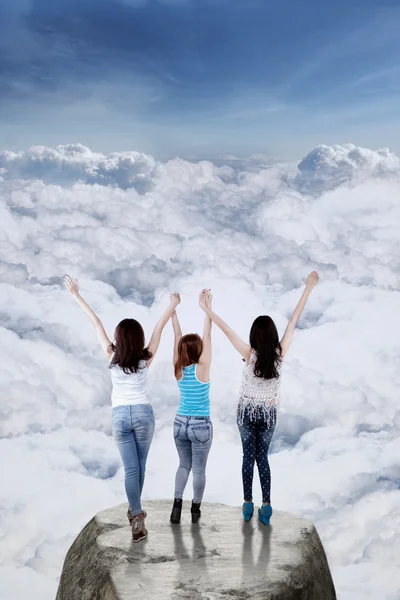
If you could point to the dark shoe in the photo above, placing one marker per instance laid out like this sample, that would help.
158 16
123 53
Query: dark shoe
176 511
139 531
196 512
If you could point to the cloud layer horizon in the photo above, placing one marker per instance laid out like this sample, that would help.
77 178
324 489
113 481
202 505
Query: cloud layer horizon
133 229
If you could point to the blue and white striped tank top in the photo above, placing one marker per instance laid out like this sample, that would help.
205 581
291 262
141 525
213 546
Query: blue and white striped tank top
195 398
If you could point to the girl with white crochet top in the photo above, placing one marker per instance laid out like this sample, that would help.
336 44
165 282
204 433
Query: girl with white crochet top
259 395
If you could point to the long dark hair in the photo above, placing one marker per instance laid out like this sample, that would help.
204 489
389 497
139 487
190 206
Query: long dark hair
129 347
190 348
265 341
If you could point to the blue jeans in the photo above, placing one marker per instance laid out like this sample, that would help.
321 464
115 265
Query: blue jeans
193 439
256 434
133 429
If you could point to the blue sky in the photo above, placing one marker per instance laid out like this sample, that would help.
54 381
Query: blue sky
200 78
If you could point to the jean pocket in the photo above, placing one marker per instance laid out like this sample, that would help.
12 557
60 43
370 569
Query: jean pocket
202 433
118 434
177 428
117 422
117 428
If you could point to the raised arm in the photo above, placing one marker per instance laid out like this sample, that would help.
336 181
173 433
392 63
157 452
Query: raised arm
241 346
158 329
205 300
311 282
72 286
177 334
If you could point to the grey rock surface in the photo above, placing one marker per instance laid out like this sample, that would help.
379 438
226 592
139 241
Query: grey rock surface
220 558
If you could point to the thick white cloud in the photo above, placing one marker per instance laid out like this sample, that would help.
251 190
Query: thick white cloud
74 162
133 229
333 165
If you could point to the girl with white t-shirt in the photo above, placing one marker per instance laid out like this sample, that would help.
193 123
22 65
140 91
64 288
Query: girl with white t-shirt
132 414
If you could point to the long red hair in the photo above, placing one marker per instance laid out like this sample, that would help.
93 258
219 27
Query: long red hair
189 351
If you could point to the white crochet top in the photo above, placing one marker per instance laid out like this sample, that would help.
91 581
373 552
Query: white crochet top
258 395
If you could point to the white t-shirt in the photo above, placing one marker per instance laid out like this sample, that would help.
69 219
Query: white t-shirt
129 388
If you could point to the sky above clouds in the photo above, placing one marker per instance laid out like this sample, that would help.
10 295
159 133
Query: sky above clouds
132 229
151 146
204 78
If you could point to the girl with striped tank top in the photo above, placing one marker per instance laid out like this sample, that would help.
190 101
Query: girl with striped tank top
193 431
257 410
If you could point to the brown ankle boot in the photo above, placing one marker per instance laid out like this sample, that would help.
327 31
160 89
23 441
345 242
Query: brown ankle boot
139 531
130 515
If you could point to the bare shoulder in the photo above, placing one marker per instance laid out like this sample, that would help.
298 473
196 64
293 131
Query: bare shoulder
202 373
249 355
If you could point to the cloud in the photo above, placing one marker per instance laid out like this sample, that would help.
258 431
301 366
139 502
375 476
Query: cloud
71 163
329 166
133 229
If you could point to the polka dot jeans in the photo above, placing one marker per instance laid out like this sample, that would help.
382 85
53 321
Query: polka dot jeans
256 436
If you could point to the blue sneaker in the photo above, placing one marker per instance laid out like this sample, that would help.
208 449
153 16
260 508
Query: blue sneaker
248 509
265 513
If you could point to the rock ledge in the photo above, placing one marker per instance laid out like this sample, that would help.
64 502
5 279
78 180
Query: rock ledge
221 558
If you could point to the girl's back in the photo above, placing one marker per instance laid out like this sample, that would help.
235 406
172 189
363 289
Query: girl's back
259 388
258 395
129 388
194 394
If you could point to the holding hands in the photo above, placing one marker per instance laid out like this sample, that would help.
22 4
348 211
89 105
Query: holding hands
205 299
174 299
